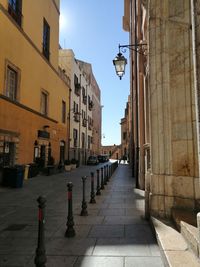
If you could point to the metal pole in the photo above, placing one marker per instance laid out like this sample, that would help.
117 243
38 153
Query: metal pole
92 199
102 181
98 193
84 203
70 232
40 257
105 178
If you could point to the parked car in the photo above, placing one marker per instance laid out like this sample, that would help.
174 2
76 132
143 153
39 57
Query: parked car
103 158
92 160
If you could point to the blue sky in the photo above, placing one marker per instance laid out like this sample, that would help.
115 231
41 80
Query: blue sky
93 29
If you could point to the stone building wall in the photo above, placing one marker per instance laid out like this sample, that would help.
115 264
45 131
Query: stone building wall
174 163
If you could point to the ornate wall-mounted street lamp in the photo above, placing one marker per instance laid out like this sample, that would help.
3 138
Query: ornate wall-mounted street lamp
120 61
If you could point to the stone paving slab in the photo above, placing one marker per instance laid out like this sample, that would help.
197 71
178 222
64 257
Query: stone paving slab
99 262
56 261
134 212
123 220
82 231
141 232
112 212
107 231
121 247
143 262
17 261
126 205
113 234
88 219
71 246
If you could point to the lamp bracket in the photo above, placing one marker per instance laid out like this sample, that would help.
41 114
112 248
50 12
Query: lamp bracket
133 47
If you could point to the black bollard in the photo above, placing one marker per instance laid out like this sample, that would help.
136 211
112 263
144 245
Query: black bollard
110 172
105 178
70 232
98 193
84 204
112 169
102 181
107 173
92 199
40 257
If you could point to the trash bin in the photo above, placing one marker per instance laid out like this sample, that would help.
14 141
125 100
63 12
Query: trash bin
13 176
26 172
33 170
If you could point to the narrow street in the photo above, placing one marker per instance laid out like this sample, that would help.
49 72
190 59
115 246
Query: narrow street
113 234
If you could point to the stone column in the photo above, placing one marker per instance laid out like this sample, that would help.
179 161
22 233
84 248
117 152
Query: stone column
172 116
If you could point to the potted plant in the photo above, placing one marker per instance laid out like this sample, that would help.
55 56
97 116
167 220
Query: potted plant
67 164
73 163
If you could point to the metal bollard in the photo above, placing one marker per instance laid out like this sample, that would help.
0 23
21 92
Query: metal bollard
98 193
107 173
102 181
105 178
84 204
40 257
70 232
92 199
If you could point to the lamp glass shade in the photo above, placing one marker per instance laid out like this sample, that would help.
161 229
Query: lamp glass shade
120 63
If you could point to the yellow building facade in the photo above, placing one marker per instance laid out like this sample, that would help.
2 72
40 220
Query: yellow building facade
34 92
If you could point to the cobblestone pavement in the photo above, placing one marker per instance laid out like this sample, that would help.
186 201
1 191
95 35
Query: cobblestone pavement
113 234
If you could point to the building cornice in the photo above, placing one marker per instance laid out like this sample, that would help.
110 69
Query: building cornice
26 108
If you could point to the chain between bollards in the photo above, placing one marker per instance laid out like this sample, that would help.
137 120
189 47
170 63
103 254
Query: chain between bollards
92 195
98 193
84 211
40 257
70 232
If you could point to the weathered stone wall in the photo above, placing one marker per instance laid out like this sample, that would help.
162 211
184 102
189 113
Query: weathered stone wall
172 107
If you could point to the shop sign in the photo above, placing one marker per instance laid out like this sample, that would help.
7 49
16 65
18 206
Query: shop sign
43 134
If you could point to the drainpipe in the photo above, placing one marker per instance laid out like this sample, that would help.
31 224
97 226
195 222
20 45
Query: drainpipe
79 136
196 67
136 163
69 124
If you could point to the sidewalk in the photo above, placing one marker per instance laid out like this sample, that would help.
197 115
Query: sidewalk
113 234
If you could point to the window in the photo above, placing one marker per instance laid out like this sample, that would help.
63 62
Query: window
77 86
83 114
63 112
11 83
88 142
124 135
75 79
75 136
84 96
46 39
75 108
90 103
83 140
44 103
15 10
